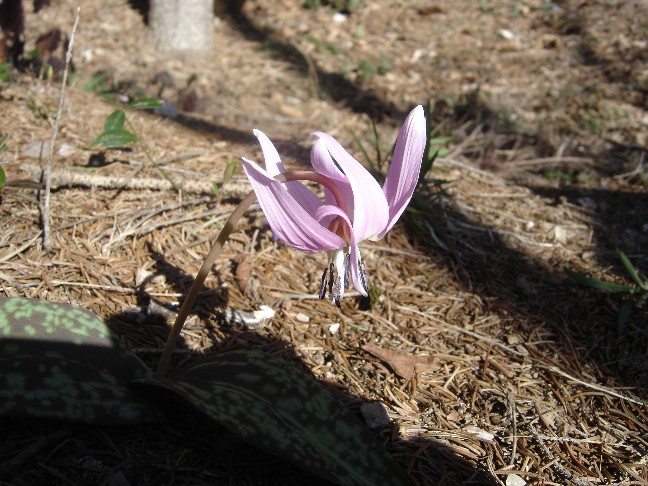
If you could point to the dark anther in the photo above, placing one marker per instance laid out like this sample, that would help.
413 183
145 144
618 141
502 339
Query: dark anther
322 292
347 273
328 282
336 293
331 285
364 278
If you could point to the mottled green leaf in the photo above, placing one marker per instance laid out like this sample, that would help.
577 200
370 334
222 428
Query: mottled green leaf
279 408
61 361
599 284
57 388
3 177
116 138
115 121
145 104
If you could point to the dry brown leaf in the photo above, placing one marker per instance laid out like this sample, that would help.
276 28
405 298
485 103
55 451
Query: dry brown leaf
405 365
243 271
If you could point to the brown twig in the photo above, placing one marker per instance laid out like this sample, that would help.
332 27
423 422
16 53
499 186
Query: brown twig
69 178
47 175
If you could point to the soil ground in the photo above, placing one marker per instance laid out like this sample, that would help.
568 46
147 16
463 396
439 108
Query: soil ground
545 103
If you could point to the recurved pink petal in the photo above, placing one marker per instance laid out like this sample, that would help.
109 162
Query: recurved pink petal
370 209
289 221
271 157
405 166
274 166
323 163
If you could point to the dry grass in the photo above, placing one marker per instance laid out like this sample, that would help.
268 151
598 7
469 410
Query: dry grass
489 362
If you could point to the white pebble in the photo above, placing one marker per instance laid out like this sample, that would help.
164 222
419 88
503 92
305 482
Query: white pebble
301 317
264 312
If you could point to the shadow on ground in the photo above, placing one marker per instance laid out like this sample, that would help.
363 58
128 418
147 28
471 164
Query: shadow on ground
187 447
214 451
333 86
583 320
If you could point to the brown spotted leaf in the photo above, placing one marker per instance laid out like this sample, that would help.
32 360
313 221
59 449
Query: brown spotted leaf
405 365
277 407
61 361
243 272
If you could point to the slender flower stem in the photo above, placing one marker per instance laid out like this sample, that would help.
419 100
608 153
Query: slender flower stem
243 206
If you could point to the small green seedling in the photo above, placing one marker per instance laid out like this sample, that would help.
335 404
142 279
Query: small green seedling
228 173
114 134
636 294
5 71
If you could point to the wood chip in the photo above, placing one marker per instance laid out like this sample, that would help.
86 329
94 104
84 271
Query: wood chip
405 365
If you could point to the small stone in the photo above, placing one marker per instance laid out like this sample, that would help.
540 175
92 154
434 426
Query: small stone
525 285
34 150
168 110
264 312
480 434
141 276
522 350
507 34
334 328
513 339
66 150
587 202
558 234
375 415
454 416
515 480
118 479
301 317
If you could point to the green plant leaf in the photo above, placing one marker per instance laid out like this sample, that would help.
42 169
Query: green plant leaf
361 146
631 269
145 104
440 140
598 284
275 406
115 121
61 361
115 138
5 71
3 176
428 155
229 171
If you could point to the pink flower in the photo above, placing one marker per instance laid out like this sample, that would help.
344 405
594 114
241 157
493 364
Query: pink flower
355 207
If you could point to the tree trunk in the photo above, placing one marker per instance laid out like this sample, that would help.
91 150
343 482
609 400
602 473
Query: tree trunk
182 26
